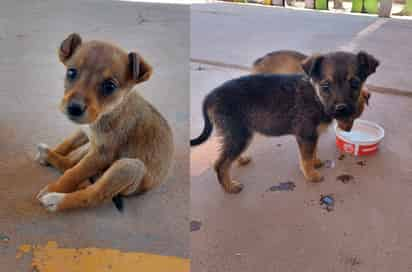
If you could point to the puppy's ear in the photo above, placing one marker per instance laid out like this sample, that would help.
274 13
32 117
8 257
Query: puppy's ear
69 46
312 66
367 64
139 69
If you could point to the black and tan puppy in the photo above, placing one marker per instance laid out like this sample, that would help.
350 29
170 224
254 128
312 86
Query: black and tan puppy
290 62
130 144
275 105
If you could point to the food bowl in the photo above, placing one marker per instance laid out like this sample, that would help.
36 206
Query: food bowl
363 139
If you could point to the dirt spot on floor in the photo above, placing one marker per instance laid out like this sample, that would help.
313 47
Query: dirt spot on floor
4 237
353 261
327 202
195 225
345 178
361 163
283 186
329 164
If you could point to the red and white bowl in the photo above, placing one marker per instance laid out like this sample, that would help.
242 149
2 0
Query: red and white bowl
363 139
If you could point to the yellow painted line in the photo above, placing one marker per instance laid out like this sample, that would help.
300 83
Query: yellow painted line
51 258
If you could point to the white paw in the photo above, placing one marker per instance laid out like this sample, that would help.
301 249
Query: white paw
51 201
41 155
42 192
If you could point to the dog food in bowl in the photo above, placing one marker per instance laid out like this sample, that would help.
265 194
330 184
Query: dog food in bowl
363 139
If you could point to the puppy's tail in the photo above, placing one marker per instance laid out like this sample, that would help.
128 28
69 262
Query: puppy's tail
207 130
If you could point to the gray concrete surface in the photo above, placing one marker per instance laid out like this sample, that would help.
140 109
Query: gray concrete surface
239 34
31 87
260 230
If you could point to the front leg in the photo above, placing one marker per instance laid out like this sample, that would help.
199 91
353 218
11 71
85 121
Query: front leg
91 164
308 159
76 140
318 163
60 162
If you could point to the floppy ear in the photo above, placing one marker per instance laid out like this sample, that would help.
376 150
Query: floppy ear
139 69
69 46
312 66
367 64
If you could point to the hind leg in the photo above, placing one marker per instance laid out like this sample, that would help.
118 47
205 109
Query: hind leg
244 158
235 141
125 176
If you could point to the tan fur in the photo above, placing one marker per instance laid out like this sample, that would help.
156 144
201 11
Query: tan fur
130 143
309 161
279 63
223 171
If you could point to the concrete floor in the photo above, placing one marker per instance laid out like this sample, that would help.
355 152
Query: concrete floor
260 230
242 33
31 87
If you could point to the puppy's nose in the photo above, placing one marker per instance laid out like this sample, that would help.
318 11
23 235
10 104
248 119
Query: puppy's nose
76 108
341 107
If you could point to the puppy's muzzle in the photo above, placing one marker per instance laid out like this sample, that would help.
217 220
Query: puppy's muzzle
76 108
345 125
342 110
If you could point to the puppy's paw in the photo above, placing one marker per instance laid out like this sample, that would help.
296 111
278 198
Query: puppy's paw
42 192
51 201
41 156
314 176
318 163
233 187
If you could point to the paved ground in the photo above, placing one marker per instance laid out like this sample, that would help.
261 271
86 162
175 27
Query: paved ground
242 33
31 87
260 230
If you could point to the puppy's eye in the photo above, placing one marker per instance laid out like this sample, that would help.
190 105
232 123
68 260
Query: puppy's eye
108 87
355 83
71 74
325 86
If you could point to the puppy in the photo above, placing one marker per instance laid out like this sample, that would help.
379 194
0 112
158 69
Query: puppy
130 145
275 105
290 62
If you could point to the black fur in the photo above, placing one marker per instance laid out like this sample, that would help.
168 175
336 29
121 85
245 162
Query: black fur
272 105
207 130
276 105
118 202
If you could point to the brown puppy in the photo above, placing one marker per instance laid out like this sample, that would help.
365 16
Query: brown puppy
275 105
130 144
